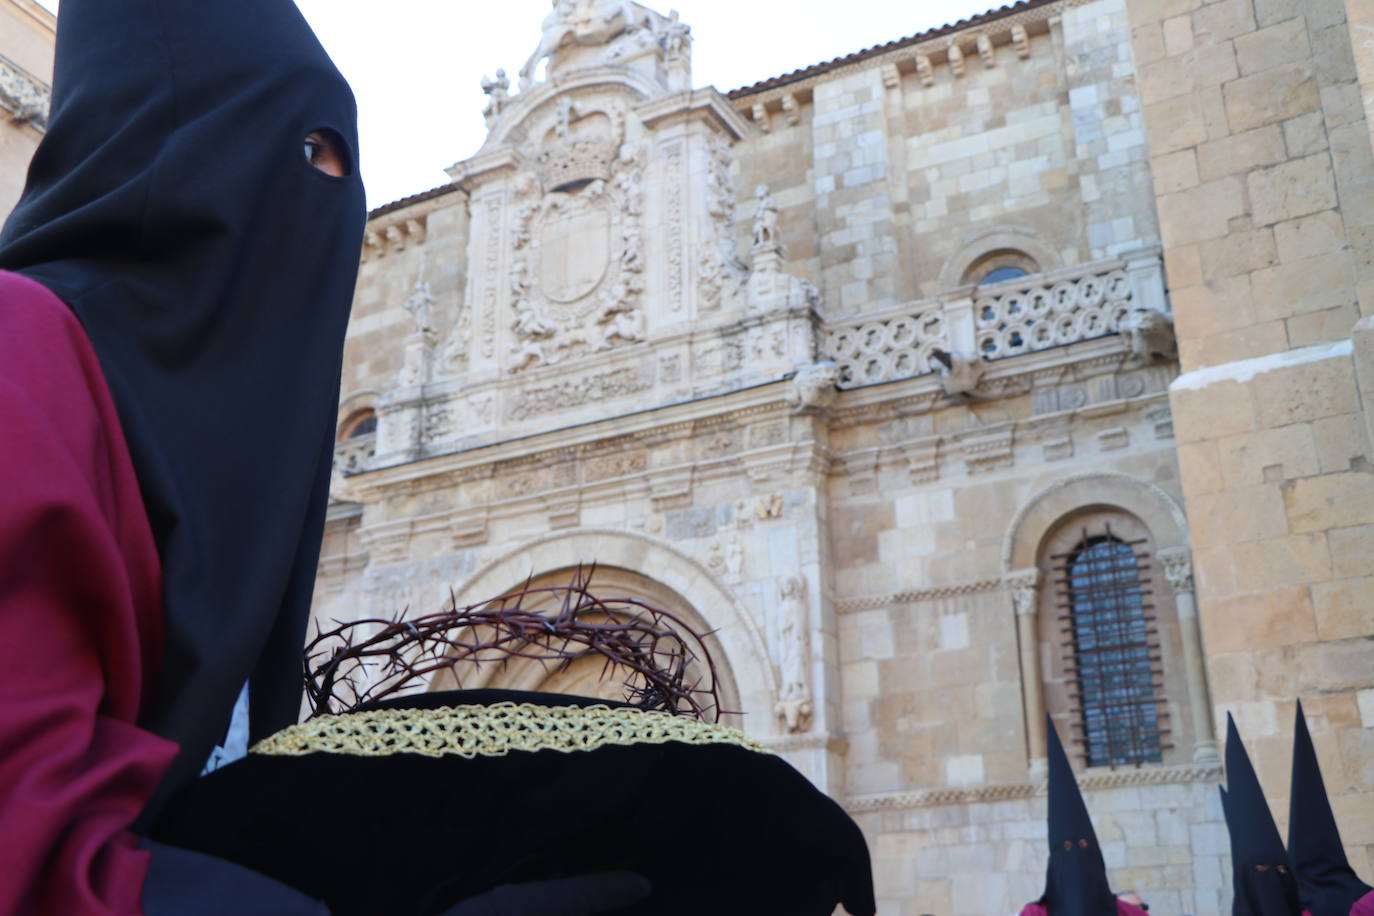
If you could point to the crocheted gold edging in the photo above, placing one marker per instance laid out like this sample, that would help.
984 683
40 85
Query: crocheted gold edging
492 731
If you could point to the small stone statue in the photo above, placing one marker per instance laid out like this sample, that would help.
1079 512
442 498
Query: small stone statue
788 635
766 221
675 36
419 305
498 94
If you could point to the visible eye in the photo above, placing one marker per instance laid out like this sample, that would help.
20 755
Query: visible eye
1281 869
1082 844
324 151
1261 868
1068 844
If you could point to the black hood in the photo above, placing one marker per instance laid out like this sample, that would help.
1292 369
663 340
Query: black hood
1263 883
1076 877
171 206
1326 882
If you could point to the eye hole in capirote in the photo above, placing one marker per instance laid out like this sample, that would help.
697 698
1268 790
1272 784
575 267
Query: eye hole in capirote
1068 844
1082 844
325 151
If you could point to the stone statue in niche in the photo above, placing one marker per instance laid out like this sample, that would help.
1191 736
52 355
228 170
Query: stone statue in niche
766 220
1148 335
788 641
813 387
498 94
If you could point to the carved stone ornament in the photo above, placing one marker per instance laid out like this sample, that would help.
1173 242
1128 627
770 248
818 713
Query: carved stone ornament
419 352
960 373
1024 586
719 274
24 98
577 259
1148 335
1178 568
577 34
498 95
789 643
813 387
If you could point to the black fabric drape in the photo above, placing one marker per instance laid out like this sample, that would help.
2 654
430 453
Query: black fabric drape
714 828
171 206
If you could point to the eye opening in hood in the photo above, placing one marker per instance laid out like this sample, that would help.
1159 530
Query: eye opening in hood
328 154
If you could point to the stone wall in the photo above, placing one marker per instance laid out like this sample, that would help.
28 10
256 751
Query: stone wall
1262 164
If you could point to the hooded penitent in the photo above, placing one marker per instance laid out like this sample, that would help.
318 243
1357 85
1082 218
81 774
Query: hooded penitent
172 208
1326 882
1263 883
1076 878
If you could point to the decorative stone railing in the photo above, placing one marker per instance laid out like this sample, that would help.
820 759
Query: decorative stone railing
1029 314
351 455
997 321
886 349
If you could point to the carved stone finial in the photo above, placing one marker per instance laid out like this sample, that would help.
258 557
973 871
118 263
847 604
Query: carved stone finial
813 387
960 373
1178 568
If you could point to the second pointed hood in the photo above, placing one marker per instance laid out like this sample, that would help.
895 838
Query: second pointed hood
1262 881
1326 882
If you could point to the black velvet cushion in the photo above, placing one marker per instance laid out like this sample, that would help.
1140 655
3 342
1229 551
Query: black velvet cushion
717 828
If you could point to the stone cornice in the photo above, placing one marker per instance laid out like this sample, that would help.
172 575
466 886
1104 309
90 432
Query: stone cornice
1097 780
707 102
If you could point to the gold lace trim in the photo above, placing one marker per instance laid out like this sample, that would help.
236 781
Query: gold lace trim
492 731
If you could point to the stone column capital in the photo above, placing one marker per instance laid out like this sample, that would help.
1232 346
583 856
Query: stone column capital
1024 585
1178 568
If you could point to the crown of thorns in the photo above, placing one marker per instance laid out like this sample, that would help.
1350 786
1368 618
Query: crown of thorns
664 663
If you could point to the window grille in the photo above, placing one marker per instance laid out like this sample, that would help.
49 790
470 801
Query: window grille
1114 667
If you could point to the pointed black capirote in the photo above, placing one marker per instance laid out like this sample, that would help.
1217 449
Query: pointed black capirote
1076 876
1327 884
171 207
1262 881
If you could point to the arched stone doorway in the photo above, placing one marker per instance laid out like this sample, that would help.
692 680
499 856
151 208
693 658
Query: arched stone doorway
635 566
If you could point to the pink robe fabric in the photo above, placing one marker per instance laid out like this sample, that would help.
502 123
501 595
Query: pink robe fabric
80 624
1364 906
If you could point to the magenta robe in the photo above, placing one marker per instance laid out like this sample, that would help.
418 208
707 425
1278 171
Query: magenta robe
1122 909
80 624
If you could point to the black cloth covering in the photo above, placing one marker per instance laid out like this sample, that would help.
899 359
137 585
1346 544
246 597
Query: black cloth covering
171 207
714 828
1327 884
1262 882
1076 876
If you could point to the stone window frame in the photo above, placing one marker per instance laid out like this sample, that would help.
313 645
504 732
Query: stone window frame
993 247
1023 580
976 273
1057 654
348 428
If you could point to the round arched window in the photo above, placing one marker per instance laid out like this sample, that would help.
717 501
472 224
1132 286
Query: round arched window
1000 266
999 274
359 424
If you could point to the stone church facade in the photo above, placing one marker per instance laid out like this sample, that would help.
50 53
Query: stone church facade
1006 370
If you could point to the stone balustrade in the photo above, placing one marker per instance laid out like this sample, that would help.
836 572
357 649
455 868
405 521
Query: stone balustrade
996 321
